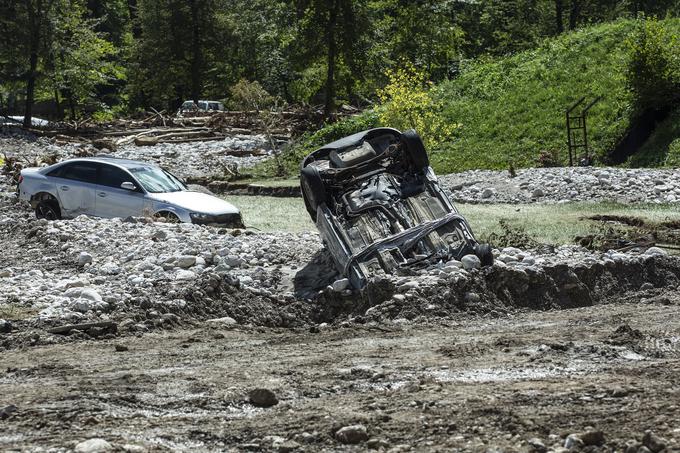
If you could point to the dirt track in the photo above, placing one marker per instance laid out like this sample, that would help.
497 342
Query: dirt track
468 384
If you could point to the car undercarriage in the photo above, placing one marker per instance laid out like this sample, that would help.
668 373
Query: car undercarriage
379 208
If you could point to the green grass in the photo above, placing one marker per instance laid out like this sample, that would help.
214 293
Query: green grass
16 312
556 224
664 140
545 223
513 108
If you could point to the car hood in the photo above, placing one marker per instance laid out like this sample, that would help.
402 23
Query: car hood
196 202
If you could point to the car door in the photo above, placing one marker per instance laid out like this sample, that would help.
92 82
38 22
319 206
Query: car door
75 182
114 201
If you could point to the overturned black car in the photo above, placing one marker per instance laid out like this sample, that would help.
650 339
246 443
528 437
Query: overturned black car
379 208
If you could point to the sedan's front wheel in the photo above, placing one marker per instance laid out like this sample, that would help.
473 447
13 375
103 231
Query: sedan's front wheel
48 209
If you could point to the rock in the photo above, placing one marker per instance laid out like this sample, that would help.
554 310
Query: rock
573 441
227 321
592 437
340 285
83 293
353 434
5 326
121 348
537 446
487 193
186 261
93 446
471 262
286 446
262 397
7 411
655 251
653 442
537 193
159 235
84 258
185 275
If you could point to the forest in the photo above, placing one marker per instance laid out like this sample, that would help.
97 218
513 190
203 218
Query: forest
106 58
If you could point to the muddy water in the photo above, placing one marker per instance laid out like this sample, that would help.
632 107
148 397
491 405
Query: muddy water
468 384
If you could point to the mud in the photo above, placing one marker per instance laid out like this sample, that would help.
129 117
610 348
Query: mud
464 384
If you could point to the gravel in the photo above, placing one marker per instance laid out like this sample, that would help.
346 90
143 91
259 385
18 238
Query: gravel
564 184
187 160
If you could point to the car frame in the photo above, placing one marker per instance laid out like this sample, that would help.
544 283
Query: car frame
110 187
379 208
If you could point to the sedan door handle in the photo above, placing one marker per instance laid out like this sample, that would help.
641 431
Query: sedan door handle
64 188
101 194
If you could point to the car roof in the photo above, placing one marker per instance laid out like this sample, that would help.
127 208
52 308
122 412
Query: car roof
125 163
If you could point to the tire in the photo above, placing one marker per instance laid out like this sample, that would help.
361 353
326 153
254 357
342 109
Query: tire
415 149
313 190
48 209
485 254
167 217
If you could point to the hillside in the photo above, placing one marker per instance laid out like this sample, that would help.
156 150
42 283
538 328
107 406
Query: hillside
512 108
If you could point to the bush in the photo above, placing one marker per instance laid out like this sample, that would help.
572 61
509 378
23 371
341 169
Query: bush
653 72
410 103
247 95
673 156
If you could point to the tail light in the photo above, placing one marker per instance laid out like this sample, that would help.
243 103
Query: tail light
21 179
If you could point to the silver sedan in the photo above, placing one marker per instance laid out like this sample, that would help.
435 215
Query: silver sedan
110 187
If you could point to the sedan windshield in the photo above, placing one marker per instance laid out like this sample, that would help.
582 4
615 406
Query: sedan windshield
156 180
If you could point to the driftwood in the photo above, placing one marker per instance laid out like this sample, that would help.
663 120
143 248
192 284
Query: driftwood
67 329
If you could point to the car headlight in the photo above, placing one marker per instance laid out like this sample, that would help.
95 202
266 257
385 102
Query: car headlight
200 216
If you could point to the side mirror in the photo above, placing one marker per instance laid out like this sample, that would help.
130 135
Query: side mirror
127 185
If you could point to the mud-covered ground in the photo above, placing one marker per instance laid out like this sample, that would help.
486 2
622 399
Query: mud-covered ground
601 375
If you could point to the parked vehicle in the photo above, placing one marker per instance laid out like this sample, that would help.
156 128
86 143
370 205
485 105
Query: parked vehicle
379 207
110 187
188 106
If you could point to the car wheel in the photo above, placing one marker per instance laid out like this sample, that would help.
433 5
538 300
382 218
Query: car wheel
485 254
48 209
415 149
314 191
167 217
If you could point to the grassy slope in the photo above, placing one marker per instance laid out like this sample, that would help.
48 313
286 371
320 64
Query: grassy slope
512 108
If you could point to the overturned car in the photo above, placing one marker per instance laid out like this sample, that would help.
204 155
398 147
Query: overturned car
379 208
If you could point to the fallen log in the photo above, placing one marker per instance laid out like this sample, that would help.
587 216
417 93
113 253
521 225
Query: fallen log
67 329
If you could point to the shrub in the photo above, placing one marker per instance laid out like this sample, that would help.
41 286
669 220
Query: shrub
410 103
247 95
673 156
653 72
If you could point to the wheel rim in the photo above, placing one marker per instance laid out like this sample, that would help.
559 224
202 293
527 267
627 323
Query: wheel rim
46 212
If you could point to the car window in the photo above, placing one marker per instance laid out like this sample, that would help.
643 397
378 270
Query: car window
113 176
155 180
214 106
203 105
56 173
79 171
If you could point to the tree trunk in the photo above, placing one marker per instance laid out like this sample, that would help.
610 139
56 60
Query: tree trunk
559 12
197 55
329 108
575 13
34 25
132 11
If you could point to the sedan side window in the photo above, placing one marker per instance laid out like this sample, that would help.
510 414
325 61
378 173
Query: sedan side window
80 171
113 177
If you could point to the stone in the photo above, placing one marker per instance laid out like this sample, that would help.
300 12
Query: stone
471 262
353 434
487 193
186 261
5 273
537 193
84 258
340 285
262 397
5 326
159 235
121 348
83 293
185 275
592 437
93 446
536 445
7 411
573 441
655 251
227 320
653 442
286 446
